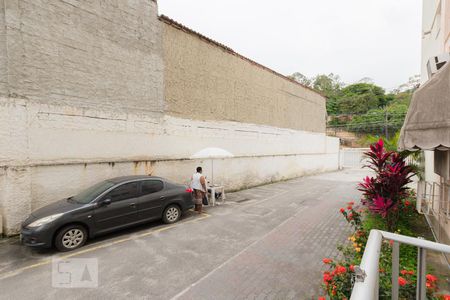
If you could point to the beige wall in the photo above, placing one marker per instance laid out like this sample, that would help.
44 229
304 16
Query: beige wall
208 82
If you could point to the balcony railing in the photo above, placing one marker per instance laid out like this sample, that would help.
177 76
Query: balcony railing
366 285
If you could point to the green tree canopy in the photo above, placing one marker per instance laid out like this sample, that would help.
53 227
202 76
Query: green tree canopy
330 86
359 98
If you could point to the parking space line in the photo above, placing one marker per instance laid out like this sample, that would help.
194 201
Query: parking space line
100 246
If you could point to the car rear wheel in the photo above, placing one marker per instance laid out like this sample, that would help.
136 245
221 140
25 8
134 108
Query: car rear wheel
70 238
171 214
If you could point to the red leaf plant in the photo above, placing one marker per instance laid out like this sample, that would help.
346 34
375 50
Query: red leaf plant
383 193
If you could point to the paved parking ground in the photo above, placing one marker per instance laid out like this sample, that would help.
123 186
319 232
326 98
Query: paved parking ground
264 243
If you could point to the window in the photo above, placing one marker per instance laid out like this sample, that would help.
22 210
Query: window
151 186
93 192
125 191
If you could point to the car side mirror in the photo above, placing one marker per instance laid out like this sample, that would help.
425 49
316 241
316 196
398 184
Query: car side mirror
105 202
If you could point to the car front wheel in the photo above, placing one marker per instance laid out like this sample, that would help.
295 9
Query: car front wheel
70 238
171 214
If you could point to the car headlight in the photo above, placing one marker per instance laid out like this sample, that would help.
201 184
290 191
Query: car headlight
45 220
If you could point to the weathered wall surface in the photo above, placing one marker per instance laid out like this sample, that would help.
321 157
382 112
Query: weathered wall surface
82 100
48 152
207 81
101 54
68 67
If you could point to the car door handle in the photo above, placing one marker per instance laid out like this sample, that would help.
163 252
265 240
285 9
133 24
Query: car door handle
162 197
133 204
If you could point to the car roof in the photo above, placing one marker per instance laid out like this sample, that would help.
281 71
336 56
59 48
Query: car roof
121 179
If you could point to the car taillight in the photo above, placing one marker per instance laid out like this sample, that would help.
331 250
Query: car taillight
189 190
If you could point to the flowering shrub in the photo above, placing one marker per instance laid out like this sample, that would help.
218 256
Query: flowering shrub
337 279
352 216
387 204
384 193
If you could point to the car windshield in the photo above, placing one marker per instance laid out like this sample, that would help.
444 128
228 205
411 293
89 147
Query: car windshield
91 193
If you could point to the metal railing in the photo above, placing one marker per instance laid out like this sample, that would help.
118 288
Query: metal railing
366 285
433 199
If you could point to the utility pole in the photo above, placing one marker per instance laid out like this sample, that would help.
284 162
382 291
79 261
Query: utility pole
386 130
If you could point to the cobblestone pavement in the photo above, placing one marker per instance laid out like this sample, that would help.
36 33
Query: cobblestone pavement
264 243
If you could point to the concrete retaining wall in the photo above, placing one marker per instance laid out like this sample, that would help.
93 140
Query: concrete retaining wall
48 152
28 188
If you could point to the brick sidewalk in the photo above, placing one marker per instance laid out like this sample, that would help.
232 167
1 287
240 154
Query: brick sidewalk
286 263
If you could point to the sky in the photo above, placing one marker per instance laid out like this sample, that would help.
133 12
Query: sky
379 39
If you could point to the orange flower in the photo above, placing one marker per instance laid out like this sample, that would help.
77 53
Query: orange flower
321 298
446 297
352 268
431 278
406 272
327 260
327 278
342 210
407 203
349 207
350 203
402 281
340 269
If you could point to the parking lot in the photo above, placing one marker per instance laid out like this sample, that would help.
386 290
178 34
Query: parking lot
266 243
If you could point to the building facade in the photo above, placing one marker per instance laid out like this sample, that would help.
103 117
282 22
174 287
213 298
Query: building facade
436 188
95 89
435 41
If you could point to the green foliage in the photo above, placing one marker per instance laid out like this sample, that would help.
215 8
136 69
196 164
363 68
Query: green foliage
359 98
369 108
376 121
389 144
330 86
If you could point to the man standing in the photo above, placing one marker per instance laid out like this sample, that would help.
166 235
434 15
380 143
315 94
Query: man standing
198 184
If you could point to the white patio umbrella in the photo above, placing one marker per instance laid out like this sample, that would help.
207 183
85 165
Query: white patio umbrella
212 153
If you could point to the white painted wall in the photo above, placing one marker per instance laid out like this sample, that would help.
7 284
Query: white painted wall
49 152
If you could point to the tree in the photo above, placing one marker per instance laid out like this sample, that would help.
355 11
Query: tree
359 98
366 80
412 84
330 86
300 78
